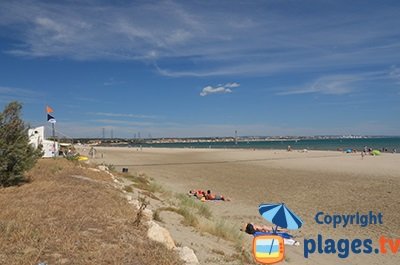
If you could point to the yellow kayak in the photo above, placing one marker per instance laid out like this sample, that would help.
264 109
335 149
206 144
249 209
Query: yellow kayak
83 158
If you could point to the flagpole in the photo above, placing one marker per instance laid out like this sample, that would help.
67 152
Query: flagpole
54 139
52 121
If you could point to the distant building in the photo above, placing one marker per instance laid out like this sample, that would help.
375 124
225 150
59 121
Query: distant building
36 138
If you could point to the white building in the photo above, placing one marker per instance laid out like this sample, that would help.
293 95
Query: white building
36 138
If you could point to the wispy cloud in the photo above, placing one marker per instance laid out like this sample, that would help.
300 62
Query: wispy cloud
395 74
220 89
124 123
15 91
91 100
86 31
331 85
113 82
8 94
126 115
336 84
206 39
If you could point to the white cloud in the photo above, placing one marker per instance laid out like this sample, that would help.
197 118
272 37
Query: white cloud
220 89
232 85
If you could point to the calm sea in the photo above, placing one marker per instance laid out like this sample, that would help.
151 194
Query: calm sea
326 144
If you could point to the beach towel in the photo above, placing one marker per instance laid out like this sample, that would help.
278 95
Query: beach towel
287 238
282 234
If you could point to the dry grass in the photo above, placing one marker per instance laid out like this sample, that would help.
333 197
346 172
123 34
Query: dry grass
190 208
59 219
221 229
191 202
189 218
224 230
216 227
157 217
128 189
141 181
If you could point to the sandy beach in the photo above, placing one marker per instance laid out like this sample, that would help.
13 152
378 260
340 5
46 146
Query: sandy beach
308 182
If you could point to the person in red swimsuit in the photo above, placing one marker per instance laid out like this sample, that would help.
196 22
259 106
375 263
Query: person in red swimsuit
196 193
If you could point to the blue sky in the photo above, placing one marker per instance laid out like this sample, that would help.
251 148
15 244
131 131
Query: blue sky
204 68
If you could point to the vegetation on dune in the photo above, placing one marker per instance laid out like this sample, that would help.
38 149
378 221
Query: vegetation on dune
16 154
202 208
69 214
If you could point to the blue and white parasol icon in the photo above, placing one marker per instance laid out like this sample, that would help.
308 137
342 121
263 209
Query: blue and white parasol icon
280 215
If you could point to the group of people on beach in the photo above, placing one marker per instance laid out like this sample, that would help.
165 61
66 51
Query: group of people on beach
207 195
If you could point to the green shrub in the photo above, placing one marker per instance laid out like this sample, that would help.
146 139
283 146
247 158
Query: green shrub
111 167
16 154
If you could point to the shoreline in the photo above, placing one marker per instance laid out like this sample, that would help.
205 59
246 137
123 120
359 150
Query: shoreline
145 147
293 149
383 144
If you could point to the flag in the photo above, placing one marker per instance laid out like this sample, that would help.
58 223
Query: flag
49 109
50 118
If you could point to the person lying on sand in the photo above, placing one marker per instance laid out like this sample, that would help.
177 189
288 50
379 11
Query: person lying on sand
253 229
196 193
214 197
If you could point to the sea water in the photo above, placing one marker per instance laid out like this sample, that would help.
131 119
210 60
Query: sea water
386 143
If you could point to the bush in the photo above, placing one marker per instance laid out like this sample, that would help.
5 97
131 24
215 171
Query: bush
16 154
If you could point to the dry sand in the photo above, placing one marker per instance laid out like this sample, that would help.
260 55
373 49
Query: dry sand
331 182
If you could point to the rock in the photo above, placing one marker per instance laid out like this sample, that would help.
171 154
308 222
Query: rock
160 234
148 214
103 168
135 203
187 255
